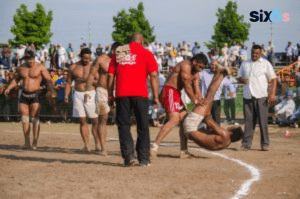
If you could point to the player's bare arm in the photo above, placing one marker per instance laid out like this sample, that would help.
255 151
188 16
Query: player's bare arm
110 89
69 83
186 78
197 91
94 69
46 76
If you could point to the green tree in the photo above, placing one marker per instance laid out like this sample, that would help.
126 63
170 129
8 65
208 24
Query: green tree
125 23
230 26
31 27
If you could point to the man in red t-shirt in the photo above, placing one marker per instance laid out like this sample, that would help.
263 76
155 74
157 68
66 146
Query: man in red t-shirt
130 67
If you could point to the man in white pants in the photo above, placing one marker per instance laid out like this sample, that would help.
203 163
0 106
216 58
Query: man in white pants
79 73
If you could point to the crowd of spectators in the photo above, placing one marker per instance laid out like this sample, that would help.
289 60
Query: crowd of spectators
57 60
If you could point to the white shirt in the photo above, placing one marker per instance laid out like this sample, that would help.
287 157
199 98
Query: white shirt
179 59
258 74
43 51
162 81
21 52
234 50
286 107
61 53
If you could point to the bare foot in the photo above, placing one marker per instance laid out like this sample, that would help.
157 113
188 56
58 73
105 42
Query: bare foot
228 70
34 144
85 149
25 146
97 148
184 154
153 154
103 152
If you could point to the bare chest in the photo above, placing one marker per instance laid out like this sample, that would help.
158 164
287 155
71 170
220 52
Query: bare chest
32 73
81 74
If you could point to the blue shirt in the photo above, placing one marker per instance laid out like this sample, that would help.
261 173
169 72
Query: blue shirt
60 92
206 78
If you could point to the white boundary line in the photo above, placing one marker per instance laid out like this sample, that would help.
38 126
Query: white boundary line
244 188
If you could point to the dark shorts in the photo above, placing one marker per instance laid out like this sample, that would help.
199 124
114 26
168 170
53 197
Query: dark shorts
30 97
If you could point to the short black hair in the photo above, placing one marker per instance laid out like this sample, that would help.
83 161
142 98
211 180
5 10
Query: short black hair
29 54
200 58
254 47
237 133
85 51
115 45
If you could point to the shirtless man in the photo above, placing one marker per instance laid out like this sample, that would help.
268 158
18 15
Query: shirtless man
185 76
99 71
215 137
31 73
79 73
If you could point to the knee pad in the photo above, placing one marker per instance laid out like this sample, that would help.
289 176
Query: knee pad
25 119
35 120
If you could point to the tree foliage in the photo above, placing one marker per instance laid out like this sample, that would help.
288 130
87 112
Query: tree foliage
31 27
230 26
125 23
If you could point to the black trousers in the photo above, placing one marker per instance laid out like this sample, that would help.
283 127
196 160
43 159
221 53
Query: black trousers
124 107
216 111
256 109
229 109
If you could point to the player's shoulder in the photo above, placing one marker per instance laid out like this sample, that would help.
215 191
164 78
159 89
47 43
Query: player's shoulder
185 64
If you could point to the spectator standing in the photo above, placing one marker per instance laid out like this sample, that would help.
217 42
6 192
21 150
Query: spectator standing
51 54
196 49
21 51
5 59
99 50
255 75
107 49
184 50
61 53
270 45
271 56
225 55
43 51
243 54
289 53
132 94
69 49
60 89
229 100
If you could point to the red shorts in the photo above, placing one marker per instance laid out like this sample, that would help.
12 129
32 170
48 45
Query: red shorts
171 99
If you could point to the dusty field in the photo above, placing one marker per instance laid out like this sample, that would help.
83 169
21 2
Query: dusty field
58 169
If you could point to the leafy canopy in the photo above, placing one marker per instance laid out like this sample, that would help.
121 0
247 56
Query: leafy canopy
31 27
125 23
230 26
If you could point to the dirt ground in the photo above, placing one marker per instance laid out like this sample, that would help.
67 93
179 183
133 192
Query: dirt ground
58 169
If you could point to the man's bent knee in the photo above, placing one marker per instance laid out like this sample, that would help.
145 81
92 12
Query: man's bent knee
25 119
35 120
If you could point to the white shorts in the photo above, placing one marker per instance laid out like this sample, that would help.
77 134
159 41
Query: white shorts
191 123
81 109
102 101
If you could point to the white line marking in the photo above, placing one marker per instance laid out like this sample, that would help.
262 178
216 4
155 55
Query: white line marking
244 188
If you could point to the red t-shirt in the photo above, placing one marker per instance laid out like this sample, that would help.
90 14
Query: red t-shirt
132 73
